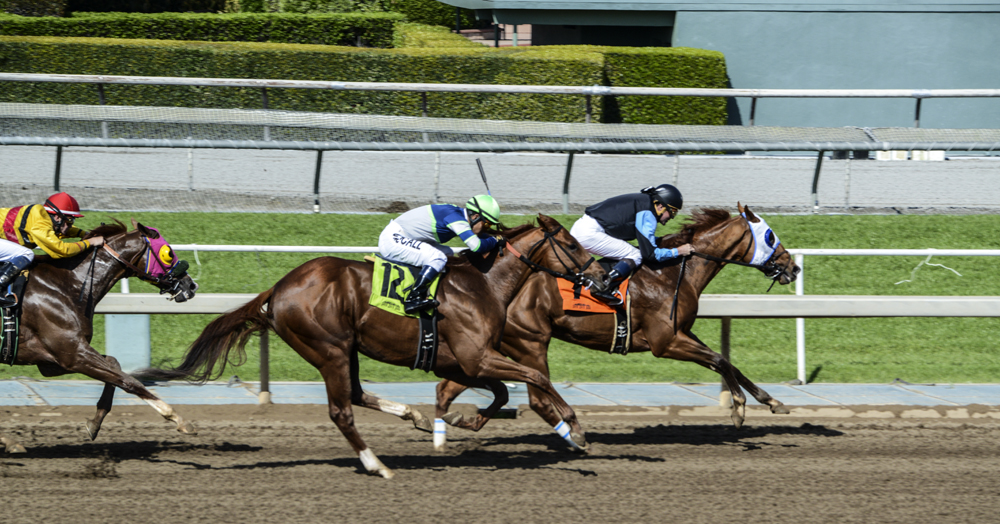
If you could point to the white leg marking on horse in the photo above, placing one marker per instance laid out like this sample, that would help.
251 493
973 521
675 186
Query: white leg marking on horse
393 408
562 428
373 465
440 434
162 408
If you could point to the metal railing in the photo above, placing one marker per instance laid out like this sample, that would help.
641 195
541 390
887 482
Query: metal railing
724 307
586 91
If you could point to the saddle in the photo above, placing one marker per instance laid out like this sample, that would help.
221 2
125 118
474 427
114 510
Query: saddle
10 311
576 298
391 283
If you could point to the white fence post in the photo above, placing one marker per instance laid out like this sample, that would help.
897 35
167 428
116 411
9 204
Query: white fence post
800 323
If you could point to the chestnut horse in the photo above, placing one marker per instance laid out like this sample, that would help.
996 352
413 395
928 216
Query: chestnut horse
57 316
536 314
321 309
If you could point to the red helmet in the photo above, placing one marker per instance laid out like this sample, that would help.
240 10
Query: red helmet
62 204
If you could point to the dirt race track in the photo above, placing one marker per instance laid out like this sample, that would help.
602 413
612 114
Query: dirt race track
280 464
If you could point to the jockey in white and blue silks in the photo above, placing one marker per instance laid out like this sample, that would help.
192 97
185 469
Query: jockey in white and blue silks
417 237
606 227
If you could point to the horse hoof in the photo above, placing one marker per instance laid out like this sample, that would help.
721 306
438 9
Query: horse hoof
779 409
92 430
422 423
187 428
453 418
12 447
737 419
578 443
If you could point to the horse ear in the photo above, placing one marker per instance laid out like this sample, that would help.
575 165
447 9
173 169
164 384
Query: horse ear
135 225
749 214
149 233
548 223
739 206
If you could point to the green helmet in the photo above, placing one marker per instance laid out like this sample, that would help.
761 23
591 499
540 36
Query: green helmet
486 207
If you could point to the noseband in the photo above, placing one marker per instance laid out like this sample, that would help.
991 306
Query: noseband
577 276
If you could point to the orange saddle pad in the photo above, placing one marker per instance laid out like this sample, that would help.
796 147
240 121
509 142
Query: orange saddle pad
586 302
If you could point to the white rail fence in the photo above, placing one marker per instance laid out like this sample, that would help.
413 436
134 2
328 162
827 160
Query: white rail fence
725 307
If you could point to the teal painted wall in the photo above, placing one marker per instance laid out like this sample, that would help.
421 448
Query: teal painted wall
829 50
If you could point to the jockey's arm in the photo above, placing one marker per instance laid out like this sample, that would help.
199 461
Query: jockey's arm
645 224
39 226
457 223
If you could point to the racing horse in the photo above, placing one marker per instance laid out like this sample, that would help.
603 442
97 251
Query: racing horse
321 309
57 316
536 314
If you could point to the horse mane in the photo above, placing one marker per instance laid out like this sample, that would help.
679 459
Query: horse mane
700 220
107 230
510 233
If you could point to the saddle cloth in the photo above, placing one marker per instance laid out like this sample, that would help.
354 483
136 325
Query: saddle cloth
575 298
391 282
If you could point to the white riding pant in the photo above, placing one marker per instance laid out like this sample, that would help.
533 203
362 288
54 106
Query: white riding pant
395 246
592 237
10 250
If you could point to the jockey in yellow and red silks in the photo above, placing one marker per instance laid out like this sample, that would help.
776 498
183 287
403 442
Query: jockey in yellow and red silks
43 226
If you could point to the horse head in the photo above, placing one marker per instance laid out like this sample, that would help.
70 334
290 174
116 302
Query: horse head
745 240
147 255
551 248
768 253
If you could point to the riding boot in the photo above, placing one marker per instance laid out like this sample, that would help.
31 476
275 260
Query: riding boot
8 272
417 299
618 274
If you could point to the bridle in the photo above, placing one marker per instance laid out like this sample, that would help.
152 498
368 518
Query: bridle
770 269
574 274
170 282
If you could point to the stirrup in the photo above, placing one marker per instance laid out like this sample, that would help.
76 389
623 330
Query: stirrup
609 297
8 300
419 305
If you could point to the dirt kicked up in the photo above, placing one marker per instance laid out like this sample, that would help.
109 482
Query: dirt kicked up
290 464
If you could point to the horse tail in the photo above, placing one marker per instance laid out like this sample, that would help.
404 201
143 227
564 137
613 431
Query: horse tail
216 342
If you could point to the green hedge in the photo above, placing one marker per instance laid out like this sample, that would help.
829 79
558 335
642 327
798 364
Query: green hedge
34 7
147 6
665 67
368 29
429 36
473 64
301 62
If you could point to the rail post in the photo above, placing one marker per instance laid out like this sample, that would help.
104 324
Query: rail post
265 369
725 396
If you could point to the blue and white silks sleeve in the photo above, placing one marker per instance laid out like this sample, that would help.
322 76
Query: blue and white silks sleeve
645 224
456 222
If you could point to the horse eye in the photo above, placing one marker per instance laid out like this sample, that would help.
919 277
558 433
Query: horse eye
573 247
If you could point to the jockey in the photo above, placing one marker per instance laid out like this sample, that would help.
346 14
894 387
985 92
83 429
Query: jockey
43 226
416 238
605 227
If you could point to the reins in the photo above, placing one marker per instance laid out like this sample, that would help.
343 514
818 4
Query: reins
577 278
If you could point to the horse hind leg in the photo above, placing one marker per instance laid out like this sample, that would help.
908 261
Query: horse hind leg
360 398
403 411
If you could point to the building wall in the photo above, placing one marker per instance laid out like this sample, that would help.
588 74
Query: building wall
843 50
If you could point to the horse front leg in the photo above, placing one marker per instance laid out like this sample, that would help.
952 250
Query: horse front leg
104 404
496 366
448 389
776 406
87 361
688 348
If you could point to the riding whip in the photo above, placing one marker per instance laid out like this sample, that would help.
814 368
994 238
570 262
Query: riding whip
482 173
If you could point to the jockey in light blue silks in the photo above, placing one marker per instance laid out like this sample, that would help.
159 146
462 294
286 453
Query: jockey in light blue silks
605 228
417 238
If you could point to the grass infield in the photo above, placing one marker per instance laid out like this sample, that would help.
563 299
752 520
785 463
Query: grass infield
924 350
